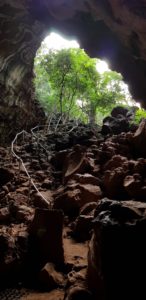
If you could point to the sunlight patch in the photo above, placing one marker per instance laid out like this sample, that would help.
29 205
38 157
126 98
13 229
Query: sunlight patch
55 41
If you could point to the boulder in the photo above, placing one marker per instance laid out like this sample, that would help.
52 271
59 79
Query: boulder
116 259
78 293
119 110
13 249
69 202
133 185
113 183
75 162
86 179
88 208
6 175
50 278
119 121
82 228
5 215
115 162
139 138
75 196
46 237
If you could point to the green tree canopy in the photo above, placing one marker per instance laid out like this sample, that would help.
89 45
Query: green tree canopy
67 81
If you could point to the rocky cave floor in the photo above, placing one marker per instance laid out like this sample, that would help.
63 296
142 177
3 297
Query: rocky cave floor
77 176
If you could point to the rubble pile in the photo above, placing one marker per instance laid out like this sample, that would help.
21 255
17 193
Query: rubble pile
82 186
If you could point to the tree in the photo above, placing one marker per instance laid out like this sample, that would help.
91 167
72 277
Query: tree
64 77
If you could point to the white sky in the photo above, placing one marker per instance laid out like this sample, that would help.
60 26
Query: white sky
55 41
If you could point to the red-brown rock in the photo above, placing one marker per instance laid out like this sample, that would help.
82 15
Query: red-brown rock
86 179
50 278
76 196
113 183
46 234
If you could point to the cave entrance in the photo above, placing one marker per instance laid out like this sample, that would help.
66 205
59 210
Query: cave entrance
74 86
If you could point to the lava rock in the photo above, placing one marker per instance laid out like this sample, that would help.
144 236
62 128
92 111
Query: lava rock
139 138
75 196
86 179
116 259
5 215
78 293
82 228
50 278
113 183
46 236
6 175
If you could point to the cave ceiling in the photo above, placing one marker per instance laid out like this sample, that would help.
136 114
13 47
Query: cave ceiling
110 29
114 30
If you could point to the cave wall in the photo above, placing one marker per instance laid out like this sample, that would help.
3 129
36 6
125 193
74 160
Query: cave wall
111 29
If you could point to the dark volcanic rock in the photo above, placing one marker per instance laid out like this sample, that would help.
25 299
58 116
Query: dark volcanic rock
13 251
46 235
5 176
117 261
119 121
74 196
139 139
82 228
78 293
50 278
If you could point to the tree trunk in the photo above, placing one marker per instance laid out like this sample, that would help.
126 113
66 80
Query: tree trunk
92 114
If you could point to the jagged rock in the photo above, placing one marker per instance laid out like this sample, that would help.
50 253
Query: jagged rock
139 138
78 293
119 121
76 162
5 176
86 179
58 159
69 202
116 260
50 278
13 249
140 166
76 196
133 185
113 183
38 200
115 162
90 193
24 213
119 110
88 208
81 229
77 277
17 198
4 215
46 235
47 183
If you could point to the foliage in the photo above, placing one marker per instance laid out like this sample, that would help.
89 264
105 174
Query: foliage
67 81
139 115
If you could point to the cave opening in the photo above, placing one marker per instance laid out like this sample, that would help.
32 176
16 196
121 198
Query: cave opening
77 99
72 195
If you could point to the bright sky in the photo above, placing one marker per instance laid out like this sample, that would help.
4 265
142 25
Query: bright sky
55 41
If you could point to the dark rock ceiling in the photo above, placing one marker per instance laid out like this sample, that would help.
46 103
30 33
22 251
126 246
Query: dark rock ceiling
111 29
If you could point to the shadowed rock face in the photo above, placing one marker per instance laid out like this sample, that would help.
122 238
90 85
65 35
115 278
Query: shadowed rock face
109 29
116 260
